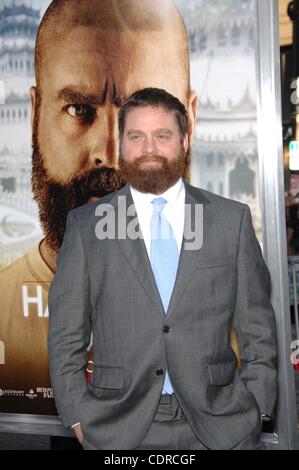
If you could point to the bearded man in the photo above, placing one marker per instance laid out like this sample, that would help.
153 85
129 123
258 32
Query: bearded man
160 306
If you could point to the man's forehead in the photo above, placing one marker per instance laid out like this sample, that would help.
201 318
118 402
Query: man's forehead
151 118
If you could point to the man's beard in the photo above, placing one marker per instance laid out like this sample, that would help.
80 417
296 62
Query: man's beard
55 200
157 178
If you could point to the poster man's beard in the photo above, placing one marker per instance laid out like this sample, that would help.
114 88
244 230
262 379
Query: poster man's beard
55 200
155 178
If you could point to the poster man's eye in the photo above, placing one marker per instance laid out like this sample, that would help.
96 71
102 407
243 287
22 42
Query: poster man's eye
79 110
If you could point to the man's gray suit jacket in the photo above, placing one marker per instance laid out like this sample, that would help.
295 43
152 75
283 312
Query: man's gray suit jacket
107 287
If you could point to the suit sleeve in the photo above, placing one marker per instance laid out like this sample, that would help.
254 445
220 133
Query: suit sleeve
254 320
69 325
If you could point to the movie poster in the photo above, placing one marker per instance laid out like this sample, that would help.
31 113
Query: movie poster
40 171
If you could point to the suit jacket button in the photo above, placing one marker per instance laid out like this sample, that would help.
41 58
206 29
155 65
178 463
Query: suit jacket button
166 329
160 372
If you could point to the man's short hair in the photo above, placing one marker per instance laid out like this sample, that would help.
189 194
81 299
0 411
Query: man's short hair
154 97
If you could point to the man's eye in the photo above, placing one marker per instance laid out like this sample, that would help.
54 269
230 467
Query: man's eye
78 110
163 136
135 137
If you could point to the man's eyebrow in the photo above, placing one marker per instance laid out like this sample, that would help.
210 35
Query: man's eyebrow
166 131
73 96
134 131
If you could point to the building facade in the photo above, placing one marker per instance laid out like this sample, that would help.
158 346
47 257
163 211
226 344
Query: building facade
19 226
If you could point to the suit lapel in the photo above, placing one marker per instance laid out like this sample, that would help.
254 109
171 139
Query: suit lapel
135 250
189 259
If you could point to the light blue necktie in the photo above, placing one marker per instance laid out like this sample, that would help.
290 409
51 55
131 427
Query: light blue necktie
164 259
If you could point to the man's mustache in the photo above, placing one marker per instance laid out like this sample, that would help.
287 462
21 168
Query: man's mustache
149 158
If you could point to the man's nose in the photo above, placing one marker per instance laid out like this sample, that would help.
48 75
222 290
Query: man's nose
149 146
103 148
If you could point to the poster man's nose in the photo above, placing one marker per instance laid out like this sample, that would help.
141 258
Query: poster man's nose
105 138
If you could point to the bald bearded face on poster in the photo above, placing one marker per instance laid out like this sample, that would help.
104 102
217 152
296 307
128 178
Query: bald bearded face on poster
102 52
89 57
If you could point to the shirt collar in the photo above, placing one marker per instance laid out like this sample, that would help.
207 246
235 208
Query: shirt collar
171 195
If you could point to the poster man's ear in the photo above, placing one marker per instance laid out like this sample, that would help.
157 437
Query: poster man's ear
33 97
192 109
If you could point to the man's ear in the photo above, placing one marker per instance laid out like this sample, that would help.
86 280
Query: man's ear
192 108
33 99
186 142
